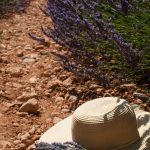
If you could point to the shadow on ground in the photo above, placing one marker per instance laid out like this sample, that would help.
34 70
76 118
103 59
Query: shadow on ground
9 7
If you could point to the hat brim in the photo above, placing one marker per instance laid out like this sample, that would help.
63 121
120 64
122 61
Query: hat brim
61 132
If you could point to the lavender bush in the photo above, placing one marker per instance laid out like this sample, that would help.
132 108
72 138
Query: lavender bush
98 31
59 146
79 25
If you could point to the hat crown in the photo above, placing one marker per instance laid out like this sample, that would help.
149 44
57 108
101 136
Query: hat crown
106 123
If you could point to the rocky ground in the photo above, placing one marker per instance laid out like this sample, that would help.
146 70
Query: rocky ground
35 91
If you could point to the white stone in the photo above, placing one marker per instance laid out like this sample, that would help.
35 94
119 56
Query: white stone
25 96
16 142
33 80
73 98
25 137
28 60
56 120
32 147
28 47
19 53
32 131
93 86
59 99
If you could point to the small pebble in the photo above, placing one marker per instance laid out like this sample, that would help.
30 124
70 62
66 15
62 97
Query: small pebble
56 120
16 142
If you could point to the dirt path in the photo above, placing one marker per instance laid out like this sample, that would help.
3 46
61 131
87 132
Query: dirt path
30 74
26 71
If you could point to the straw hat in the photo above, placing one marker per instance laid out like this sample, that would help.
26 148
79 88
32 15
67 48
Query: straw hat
106 123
